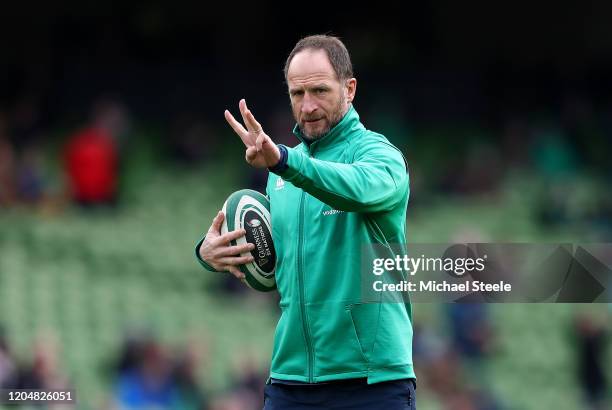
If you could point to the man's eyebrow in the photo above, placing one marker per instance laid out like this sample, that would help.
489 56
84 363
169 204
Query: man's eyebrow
322 85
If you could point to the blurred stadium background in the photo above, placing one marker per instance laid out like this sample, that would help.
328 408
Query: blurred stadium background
503 111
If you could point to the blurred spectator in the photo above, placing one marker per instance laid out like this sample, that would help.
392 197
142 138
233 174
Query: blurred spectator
149 383
45 371
441 366
472 337
27 133
132 351
21 162
247 388
470 329
591 340
7 364
251 377
30 181
191 396
148 375
91 156
7 169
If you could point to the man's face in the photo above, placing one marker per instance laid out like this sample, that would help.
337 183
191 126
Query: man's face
318 99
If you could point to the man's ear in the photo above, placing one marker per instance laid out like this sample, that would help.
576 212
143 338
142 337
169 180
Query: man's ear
351 88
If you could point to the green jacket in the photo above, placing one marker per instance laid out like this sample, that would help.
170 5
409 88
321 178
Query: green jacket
337 197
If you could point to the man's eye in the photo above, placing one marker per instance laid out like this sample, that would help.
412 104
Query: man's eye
320 90
297 93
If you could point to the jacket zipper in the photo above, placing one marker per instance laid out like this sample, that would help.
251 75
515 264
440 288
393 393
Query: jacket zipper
300 257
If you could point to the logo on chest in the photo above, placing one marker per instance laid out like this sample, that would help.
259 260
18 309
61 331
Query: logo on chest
280 184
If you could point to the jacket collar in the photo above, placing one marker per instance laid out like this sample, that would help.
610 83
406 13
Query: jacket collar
339 132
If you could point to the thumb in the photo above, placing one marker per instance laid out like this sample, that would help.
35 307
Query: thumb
216 224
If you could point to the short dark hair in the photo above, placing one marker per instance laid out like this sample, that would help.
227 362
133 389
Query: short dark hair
336 52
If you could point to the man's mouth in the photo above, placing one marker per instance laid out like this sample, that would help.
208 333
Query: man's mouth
314 120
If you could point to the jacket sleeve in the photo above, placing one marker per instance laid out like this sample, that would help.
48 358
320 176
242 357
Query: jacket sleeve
199 258
375 181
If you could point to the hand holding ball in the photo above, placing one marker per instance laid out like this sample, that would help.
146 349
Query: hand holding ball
249 210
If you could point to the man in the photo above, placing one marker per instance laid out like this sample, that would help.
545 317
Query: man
343 188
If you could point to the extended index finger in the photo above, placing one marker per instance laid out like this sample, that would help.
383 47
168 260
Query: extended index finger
238 128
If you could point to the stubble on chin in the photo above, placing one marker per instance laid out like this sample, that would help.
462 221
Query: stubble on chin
337 116
314 136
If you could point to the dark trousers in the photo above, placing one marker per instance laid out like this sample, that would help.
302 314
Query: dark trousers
346 395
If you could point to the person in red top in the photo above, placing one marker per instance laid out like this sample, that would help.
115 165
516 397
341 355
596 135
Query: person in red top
91 157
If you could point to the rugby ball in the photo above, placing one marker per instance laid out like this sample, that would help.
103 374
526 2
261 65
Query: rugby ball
249 210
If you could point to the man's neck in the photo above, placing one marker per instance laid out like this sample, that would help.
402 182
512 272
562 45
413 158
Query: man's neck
309 140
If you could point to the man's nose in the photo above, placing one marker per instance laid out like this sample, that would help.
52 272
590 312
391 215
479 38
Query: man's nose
308 104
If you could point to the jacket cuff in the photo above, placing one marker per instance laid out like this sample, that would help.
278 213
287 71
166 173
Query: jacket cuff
199 258
282 163
292 171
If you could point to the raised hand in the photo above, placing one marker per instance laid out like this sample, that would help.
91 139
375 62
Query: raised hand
261 151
